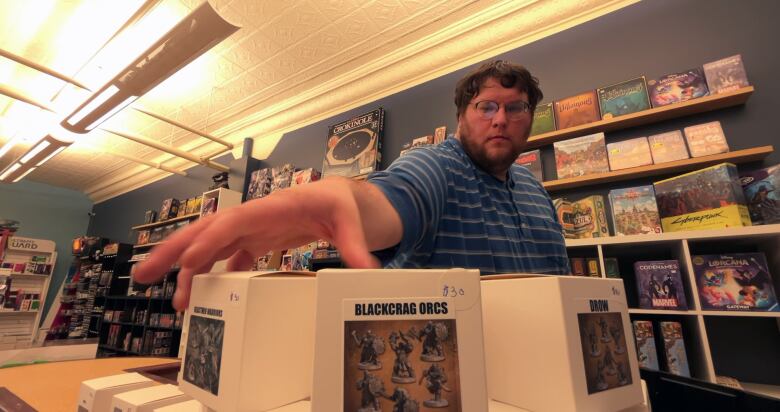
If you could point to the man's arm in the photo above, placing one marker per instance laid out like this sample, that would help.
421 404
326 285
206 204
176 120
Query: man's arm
356 217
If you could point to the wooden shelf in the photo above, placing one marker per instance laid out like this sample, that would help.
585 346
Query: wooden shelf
145 245
166 222
661 312
739 313
738 156
658 114
690 236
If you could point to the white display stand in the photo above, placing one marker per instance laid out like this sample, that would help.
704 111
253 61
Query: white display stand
250 340
547 338
18 329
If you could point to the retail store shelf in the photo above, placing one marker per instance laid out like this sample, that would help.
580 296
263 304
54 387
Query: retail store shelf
166 222
711 234
662 312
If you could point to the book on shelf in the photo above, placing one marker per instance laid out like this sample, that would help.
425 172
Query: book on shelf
544 119
677 87
726 75
734 282
674 349
623 98
668 147
581 156
577 110
634 211
706 139
611 268
629 153
659 285
645 344
762 193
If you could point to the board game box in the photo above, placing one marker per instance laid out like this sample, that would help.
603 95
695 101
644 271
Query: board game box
737 281
706 139
260 184
590 217
563 209
544 119
629 153
726 75
353 146
634 211
645 344
674 349
533 162
659 285
440 134
623 98
282 176
611 268
581 156
668 147
305 176
576 110
762 193
677 87
704 199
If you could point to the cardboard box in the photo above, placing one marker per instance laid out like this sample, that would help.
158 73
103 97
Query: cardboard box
256 334
95 394
359 310
187 406
559 343
147 399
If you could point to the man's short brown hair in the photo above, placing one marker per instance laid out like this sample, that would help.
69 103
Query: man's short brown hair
510 75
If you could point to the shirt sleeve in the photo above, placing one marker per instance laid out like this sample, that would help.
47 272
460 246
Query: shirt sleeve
416 186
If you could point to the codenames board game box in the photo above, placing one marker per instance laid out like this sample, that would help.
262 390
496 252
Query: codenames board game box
659 285
634 211
96 394
576 110
533 162
762 193
623 98
706 139
147 399
668 147
629 153
250 340
544 119
645 344
677 87
581 156
726 75
353 147
737 281
572 331
413 335
709 198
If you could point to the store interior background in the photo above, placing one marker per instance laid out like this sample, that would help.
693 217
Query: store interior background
650 38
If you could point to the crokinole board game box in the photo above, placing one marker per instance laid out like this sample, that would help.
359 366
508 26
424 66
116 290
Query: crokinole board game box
734 282
353 146
574 332
413 335
249 340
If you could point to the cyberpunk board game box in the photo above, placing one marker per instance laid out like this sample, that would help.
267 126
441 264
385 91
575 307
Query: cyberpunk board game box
353 146
762 194
645 344
668 147
581 156
726 75
738 282
709 198
674 349
634 211
576 110
533 162
677 87
706 139
623 98
659 285
544 119
629 153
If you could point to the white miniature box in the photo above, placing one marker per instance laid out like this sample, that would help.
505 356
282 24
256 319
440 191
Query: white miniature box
191 405
96 394
250 340
559 343
147 399
414 334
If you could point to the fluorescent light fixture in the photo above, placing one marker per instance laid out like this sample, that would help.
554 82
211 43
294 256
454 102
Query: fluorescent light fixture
8 171
54 153
23 175
8 146
198 32
34 151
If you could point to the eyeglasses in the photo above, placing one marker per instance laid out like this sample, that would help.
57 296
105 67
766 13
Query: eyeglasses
514 110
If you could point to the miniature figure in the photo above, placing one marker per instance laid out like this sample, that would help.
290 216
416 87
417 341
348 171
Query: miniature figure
623 378
402 368
601 383
372 346
435 382
616 332
604 332
433 335
609 363
403 401
593 340
372 388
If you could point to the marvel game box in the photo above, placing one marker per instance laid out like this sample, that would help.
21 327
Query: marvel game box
581 156
677 87
726 75
623 98
706 139
737 281
629 153
533 162
544 119
709 198
668 147
353 146
634 211
645 344
576 110
762 192
659 285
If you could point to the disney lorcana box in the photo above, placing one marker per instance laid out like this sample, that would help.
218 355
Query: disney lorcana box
559 343
95 394
399 340
250 340
147 399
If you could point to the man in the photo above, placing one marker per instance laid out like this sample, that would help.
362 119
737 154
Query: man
463 203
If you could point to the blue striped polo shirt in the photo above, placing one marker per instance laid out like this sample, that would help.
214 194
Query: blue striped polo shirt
454 214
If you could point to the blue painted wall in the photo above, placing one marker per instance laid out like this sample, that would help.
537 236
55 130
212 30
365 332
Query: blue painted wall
47 212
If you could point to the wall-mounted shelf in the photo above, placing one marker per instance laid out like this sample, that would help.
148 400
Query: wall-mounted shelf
737 156
657 114
166 222
145 245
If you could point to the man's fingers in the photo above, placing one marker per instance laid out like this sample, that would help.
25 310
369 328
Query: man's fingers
240 261
223 233
181 298
164 256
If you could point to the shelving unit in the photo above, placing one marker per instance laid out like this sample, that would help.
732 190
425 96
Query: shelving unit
716 341
654 115
166 222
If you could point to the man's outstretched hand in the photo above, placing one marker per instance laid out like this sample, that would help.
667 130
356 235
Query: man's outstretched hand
328 210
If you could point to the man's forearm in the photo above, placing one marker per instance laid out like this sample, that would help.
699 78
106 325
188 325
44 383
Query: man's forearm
381 222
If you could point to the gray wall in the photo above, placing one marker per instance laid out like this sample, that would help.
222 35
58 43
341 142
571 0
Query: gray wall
47 212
